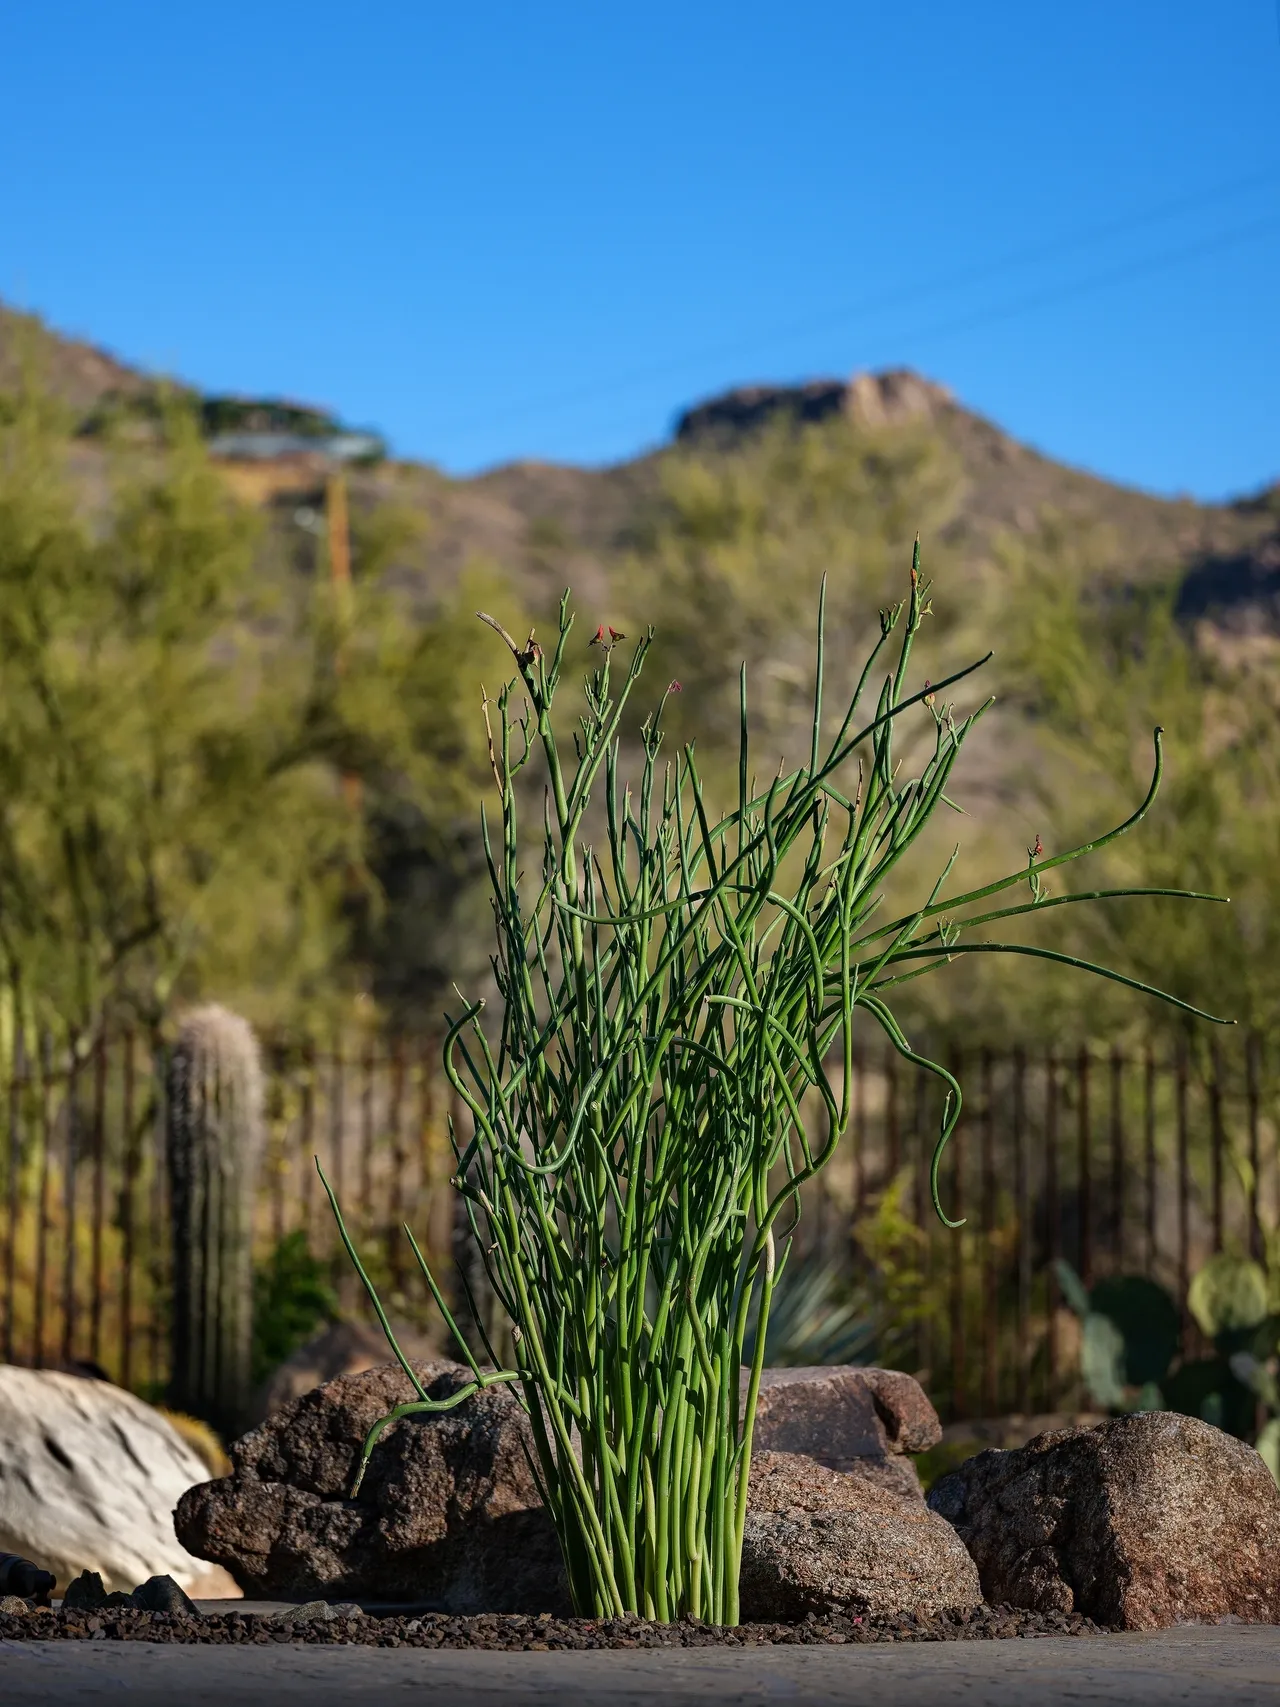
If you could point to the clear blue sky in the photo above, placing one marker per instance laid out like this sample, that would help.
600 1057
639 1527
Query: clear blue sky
538 229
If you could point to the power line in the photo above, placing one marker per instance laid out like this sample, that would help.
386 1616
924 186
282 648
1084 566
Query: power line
1099 281
889 300
1117 275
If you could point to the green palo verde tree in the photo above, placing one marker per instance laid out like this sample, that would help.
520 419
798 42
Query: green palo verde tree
671 1064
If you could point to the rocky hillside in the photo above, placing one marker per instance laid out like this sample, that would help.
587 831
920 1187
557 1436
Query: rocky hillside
78 373
720 540
549 524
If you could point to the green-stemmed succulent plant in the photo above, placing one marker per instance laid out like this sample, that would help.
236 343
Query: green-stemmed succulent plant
672 1062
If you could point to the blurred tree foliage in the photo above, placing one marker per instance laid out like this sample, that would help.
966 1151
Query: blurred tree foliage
1087 665
1097 665
222 777
180 725
292 1300
730 561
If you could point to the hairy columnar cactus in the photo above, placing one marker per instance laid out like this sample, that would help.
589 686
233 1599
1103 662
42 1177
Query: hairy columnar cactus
214 1122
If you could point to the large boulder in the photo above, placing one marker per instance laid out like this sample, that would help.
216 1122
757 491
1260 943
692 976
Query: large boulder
1141 1522
448 1513
89 1477
819 1540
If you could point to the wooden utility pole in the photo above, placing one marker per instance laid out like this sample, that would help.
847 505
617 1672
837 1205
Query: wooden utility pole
339 530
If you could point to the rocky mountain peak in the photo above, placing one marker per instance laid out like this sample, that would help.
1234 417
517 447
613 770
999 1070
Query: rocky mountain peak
869 399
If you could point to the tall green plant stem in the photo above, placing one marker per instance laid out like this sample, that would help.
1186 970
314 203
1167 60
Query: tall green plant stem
672 1061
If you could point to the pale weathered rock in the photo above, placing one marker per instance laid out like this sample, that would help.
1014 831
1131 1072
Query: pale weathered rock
448 1514
874 400
315 1611
89 1477
1140 1522
820 1541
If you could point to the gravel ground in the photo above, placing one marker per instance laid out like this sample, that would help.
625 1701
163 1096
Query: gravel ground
331 1627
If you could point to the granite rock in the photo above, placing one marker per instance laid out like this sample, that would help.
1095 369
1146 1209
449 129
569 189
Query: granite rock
819 1541
448 1513
860 1421
1141 1522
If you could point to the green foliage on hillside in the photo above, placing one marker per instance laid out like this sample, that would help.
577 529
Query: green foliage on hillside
196 747
218 779
1096 664
732 556
150 773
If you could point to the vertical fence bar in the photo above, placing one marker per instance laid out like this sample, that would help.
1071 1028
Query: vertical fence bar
16 1072
1217 1141
70 1206
1251 1076
159 1225
918 1149
99 1138
307 1129
892 1132
1117 1159
459 1230
278 1150
443 1166
366 1138
1022 1207
1084 1146
859 1134
127 1197
42 1224
990 1320
435 1149
924 1214
395 1238
959 1395
819 1191
1184 1178
1053 1242
337 1130
1149 1153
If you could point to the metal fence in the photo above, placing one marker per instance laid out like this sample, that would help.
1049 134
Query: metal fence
1141 1161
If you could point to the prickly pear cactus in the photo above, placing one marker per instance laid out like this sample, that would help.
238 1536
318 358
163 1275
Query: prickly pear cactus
214 1132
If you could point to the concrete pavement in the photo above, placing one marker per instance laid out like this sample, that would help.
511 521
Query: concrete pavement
1235 1665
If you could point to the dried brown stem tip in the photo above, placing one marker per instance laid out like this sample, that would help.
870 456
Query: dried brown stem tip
524 655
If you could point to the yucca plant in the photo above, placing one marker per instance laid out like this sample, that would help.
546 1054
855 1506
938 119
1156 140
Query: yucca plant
671 1063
